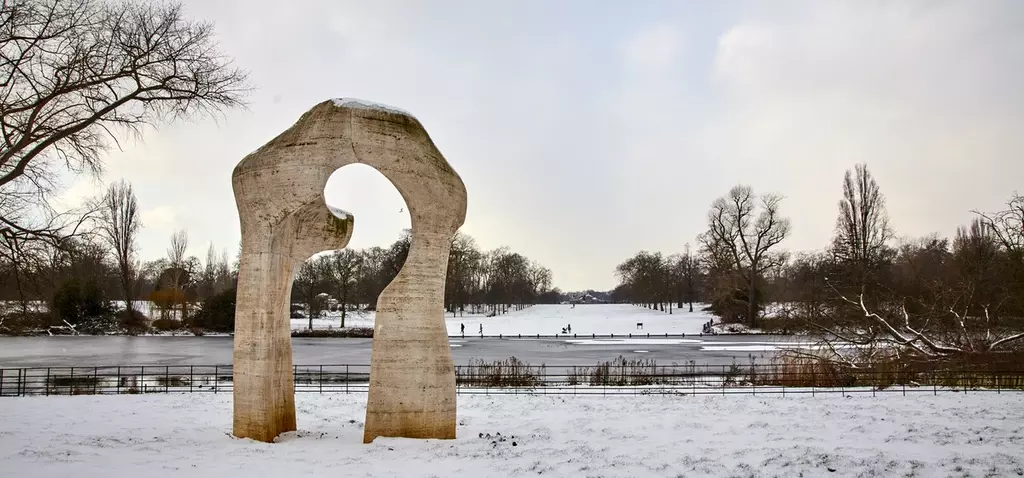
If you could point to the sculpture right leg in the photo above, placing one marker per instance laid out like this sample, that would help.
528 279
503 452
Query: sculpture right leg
264 399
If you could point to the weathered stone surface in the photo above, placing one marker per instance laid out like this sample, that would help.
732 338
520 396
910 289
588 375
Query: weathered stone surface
279 194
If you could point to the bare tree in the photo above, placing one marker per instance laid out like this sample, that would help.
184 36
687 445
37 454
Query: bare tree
75 75
343 270
540 278
743 229
120 227
1007 226
176 258
1005 229
646 279
689 275
309 283
862 228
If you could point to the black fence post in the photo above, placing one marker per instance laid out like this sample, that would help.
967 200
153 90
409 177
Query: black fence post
117 387
71 382
320 381
167 378
95 378
216 378
191 377
2 382
346 378
47 381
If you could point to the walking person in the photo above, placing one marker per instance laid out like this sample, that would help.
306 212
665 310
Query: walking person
462 330
481 331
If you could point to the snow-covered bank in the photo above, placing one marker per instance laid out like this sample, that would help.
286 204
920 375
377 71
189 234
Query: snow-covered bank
549 319
978 434
543 319
602 319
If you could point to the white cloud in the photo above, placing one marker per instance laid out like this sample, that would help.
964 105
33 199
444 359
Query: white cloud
79 191
164 218
657 46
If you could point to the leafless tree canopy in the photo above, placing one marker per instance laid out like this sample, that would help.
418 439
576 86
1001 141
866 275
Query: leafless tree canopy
689 269
179 243
862 228
1007 225
120 227
345 269
176 258
742 231
76 74
646 276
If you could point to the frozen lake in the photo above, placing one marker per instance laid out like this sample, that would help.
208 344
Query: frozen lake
102 351
543 319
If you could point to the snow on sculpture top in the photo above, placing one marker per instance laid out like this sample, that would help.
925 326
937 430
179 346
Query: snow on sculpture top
369 105
338 212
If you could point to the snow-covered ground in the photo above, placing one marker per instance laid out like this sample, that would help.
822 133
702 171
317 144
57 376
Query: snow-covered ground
585 319
332 320
601 319
977 434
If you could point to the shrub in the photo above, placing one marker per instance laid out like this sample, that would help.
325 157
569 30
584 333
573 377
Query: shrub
623 372
500 373
134 322
167 298
77 300
99 325
217 313
31 323
731 303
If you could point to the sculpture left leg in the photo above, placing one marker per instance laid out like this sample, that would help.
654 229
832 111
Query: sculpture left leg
264 399
264 390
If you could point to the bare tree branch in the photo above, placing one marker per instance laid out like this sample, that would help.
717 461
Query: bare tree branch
74 75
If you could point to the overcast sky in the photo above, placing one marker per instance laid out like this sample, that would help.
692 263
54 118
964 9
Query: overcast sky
586 131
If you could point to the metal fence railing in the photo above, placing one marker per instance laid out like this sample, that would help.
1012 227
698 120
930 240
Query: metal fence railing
514 377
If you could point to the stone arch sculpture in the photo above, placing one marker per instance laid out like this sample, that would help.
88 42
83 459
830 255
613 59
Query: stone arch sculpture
284 220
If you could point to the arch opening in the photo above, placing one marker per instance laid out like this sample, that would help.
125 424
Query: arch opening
335 291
